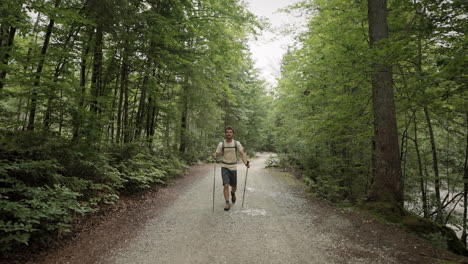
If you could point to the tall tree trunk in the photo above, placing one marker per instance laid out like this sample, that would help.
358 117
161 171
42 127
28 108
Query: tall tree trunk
183 123
3 36
404 149
435 166
465 183
58 71
119 114
141 107
154 121
149 118
61 113
77 119
27 69
167 133
6 56
45 46
111 129
96 77
7 36
387 185
124 80
422 181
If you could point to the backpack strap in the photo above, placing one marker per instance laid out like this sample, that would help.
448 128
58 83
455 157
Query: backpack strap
235 147
222 151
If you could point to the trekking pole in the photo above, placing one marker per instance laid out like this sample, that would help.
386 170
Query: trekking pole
214 182
245 184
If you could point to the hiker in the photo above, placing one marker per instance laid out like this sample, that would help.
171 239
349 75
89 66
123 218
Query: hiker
228 149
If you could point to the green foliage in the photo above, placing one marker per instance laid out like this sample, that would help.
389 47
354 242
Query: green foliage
322 109
119 95
44 187
141 170
32 213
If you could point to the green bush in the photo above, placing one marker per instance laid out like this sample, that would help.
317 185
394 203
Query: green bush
35 212
144 169
328 187
46 181
141 172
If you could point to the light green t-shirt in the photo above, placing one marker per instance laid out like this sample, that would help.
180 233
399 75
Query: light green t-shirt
229 154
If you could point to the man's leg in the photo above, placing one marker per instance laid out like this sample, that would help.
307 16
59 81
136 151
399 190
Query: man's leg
226 192
225 174
233 194
233 183
227 206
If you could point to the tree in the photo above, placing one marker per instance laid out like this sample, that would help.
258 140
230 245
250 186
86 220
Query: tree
387 185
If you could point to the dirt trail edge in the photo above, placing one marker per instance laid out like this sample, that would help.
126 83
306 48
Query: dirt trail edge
279 223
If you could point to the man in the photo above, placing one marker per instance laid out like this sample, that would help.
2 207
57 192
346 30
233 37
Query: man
228 148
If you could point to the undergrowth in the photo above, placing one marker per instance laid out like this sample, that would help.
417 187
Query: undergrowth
47 181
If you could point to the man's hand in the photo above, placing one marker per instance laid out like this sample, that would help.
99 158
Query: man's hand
248 164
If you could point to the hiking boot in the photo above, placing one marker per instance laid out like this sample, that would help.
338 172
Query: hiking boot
227 206
233 197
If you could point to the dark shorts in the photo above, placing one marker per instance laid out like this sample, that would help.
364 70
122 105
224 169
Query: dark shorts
229 177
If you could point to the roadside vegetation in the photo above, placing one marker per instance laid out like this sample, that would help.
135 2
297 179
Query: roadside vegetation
336 133
100 99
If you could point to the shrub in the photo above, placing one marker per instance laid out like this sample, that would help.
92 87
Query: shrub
45 181
35 212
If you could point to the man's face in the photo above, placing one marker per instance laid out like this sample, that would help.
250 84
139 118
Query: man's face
229 133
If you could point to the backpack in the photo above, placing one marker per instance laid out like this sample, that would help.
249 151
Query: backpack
222 151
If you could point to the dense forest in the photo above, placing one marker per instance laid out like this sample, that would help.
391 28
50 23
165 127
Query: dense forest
102 98
342 130
99 98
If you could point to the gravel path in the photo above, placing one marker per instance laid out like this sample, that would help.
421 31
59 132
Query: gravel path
276 225
279 223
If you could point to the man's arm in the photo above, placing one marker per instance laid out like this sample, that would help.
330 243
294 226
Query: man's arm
244 158
218 152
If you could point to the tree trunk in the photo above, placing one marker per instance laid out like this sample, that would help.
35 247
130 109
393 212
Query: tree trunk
7 36
420 168
45 46
27 70
97 70
404 149
111 129
154 120
3 35
141 107
465 183
58 71
119 114
435 164
6 56
148 118
183 124
77 120
387 185
61 113
167 133
124 80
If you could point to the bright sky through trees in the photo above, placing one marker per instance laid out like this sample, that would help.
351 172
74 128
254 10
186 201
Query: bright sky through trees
270 47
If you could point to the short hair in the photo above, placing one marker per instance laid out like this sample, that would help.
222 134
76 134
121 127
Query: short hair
229 128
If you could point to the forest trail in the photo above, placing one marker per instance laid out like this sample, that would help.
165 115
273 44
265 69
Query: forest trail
279 223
